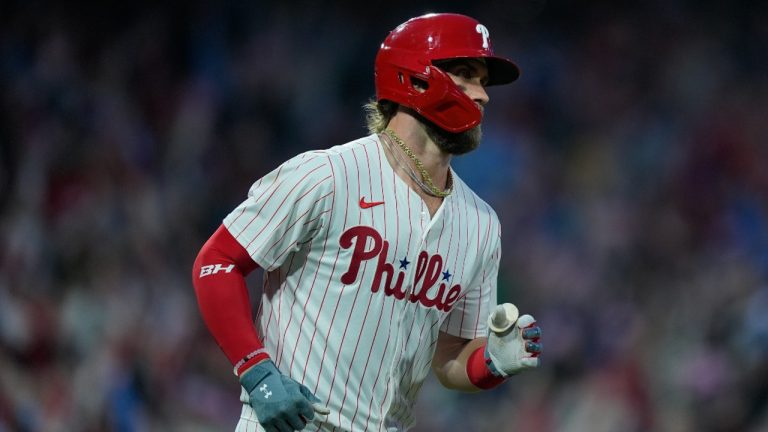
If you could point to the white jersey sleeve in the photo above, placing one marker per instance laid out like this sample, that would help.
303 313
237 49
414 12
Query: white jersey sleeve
284 209
469 317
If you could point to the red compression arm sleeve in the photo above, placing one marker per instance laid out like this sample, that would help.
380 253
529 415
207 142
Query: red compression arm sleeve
219 279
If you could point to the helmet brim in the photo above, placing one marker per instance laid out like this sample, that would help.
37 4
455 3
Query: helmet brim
501 71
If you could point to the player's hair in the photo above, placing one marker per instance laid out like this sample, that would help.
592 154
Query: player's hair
378 114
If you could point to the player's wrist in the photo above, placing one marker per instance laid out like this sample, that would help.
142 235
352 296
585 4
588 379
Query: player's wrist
252 376
249 360
490 365
481 371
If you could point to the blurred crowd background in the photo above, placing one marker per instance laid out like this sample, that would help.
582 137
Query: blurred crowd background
628 165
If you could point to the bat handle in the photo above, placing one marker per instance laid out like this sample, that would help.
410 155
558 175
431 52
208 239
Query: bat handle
503 317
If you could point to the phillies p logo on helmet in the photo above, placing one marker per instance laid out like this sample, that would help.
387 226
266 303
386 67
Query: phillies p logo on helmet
483 32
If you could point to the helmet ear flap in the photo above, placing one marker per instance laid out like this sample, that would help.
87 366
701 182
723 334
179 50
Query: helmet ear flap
410 82
432 94
445 104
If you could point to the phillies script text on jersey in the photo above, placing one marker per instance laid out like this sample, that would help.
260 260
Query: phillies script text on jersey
428 268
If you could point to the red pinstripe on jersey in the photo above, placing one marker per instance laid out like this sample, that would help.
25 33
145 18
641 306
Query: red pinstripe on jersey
312 287
354 302
383 304
323 361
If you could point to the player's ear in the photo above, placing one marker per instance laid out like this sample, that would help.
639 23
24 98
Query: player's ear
419 84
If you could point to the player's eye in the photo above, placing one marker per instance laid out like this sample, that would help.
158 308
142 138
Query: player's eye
470 74
463 71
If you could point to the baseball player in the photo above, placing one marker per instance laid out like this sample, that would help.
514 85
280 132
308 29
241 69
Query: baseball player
379 262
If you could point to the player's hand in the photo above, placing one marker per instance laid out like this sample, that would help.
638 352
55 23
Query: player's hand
514 344
281 404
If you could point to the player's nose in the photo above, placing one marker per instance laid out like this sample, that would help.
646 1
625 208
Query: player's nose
478 94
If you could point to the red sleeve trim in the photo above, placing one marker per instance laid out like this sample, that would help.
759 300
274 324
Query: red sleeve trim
478 372
218 275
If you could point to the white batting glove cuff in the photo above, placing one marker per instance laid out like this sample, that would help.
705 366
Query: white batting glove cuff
513 343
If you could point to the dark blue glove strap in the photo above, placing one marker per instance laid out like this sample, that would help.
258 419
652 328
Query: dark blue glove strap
490 365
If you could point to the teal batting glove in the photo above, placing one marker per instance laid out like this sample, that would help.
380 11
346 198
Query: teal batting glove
281 404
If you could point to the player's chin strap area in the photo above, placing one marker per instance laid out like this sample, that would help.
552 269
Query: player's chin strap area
513 346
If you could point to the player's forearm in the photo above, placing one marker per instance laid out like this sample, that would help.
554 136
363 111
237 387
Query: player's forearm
218 275
450 361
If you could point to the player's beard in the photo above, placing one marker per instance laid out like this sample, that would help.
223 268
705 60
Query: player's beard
453 143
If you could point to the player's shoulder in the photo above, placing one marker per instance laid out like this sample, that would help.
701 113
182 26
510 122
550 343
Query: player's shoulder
338 151
321 162
312 163
365 143
472 201
351 153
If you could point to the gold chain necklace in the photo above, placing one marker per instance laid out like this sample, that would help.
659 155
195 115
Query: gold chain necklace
427 185
405 166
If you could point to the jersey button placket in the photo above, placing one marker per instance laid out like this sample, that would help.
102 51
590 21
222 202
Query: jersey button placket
404 312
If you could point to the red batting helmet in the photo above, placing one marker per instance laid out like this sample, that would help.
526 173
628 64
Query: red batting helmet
408 53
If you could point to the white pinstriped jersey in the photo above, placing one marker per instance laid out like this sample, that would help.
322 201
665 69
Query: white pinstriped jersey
359 279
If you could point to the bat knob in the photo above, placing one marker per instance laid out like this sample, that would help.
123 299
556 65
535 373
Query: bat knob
503 317
319 409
